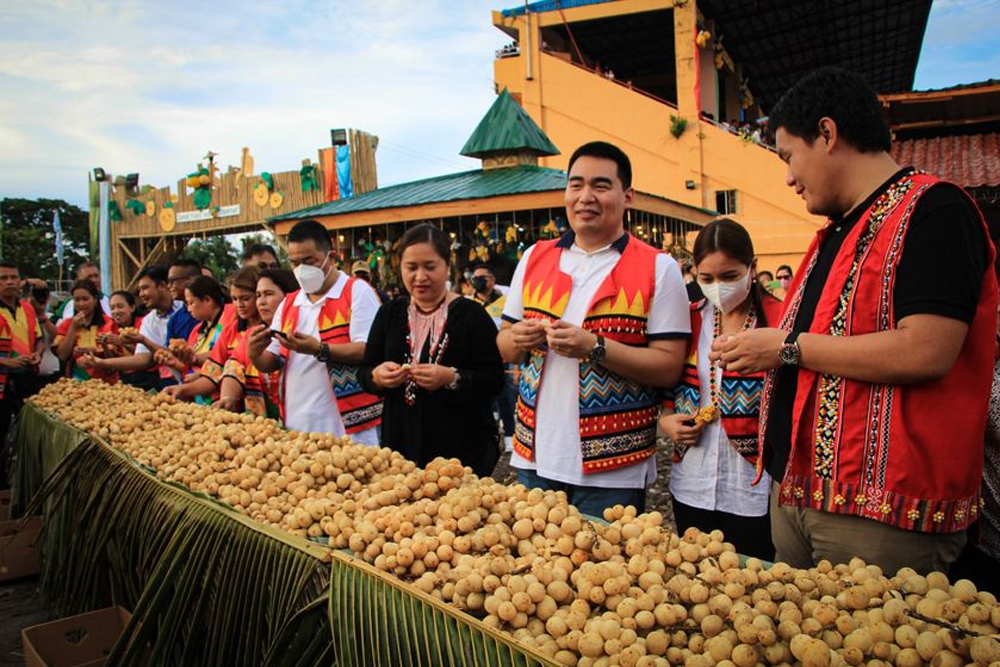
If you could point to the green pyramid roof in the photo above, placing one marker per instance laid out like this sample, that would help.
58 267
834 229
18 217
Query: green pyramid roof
507 127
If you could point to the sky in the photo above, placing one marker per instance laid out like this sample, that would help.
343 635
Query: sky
149 86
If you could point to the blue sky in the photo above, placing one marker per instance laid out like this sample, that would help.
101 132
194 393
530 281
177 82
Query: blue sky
139 85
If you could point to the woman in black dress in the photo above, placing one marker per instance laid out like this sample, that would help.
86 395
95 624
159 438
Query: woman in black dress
433 356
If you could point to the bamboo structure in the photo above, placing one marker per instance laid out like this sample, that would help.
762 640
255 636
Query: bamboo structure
140 239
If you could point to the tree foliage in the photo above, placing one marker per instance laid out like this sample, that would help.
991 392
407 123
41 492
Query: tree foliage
216 254
28 239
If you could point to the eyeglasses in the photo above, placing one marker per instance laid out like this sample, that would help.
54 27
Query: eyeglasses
784 277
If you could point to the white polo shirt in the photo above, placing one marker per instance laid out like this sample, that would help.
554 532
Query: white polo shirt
713 475
310 404
557 408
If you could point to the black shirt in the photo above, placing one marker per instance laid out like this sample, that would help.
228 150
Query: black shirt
940 273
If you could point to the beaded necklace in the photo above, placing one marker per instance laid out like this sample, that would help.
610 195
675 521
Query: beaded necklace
437 348
713 371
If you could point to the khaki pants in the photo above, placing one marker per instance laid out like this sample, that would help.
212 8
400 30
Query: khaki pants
802 537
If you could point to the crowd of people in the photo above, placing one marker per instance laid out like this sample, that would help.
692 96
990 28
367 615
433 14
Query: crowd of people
835 411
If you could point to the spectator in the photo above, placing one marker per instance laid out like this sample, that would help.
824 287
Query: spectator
765 278
39 296
784 275
86 271
485 292
261 255
21 345
243 387
591 429
712 414
182 323
876 344
156 293
81 334
125 316
433 356
362 271
321 392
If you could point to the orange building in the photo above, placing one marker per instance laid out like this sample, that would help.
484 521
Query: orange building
665 79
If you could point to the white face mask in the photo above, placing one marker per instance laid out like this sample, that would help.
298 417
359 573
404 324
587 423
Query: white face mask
310 277
727 296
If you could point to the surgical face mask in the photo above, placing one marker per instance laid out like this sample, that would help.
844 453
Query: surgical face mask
727 296
311 277
479 283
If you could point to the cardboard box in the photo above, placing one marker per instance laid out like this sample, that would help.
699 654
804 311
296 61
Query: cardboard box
84 640
5 500
19 548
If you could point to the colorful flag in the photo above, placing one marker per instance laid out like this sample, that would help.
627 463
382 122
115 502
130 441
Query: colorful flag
344 182
57 227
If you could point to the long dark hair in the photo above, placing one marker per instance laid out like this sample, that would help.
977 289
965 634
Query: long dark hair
733 240
97 319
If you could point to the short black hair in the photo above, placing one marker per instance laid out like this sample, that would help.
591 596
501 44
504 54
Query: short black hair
838 94
427 233
310 230
761 274
258 249
606 151
86 264
41 293
155 272
483 265
193 265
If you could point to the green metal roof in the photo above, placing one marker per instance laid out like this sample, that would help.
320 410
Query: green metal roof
507 127
477 184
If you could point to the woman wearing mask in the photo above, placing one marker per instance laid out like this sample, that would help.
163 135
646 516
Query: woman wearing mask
432 355
79 335
243 387
206 380
712 417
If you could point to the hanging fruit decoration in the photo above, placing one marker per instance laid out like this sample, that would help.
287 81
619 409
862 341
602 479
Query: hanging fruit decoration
150 208
276 199
168 217
702 39
201 182
260 194
549 231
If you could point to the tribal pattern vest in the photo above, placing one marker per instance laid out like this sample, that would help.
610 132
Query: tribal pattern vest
905 455
617 415
359 411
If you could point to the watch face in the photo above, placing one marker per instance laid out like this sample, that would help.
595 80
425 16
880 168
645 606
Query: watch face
789 354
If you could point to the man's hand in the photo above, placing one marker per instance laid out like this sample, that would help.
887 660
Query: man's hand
258 339
676 429
571 341
15 363
390 375
301 343
749 352
528 334
432 376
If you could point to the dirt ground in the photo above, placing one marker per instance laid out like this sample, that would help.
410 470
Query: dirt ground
21 603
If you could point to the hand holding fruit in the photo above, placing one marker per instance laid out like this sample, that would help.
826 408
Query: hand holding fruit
432 376
390 375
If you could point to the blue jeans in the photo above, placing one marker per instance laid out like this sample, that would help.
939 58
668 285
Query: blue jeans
590 500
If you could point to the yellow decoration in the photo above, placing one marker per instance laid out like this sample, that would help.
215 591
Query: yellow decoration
168 219
260 194
204 179
150 209
276 200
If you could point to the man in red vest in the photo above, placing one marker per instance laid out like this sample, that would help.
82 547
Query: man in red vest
317 339
598 321
873 414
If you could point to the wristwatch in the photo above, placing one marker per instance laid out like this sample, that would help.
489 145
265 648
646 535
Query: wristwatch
599 352
790 353
453 385
323 355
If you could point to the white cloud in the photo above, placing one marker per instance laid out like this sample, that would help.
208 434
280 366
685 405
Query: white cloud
149 87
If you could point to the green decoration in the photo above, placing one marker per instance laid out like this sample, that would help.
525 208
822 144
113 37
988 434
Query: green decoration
114 212
268 180
308 175
136 207
202 198
677 125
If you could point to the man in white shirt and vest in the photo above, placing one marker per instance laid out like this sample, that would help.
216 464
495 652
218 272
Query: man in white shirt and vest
317 338
599 322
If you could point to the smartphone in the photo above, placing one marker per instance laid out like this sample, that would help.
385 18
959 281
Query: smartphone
279 334
688 422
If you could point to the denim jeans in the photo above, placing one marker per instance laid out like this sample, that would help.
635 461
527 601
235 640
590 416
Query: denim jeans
590 500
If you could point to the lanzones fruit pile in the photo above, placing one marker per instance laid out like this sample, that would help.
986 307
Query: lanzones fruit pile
628 592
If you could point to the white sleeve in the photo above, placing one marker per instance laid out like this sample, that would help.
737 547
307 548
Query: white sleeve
513 309
364 307
670 313
67 311
146 329
274 347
